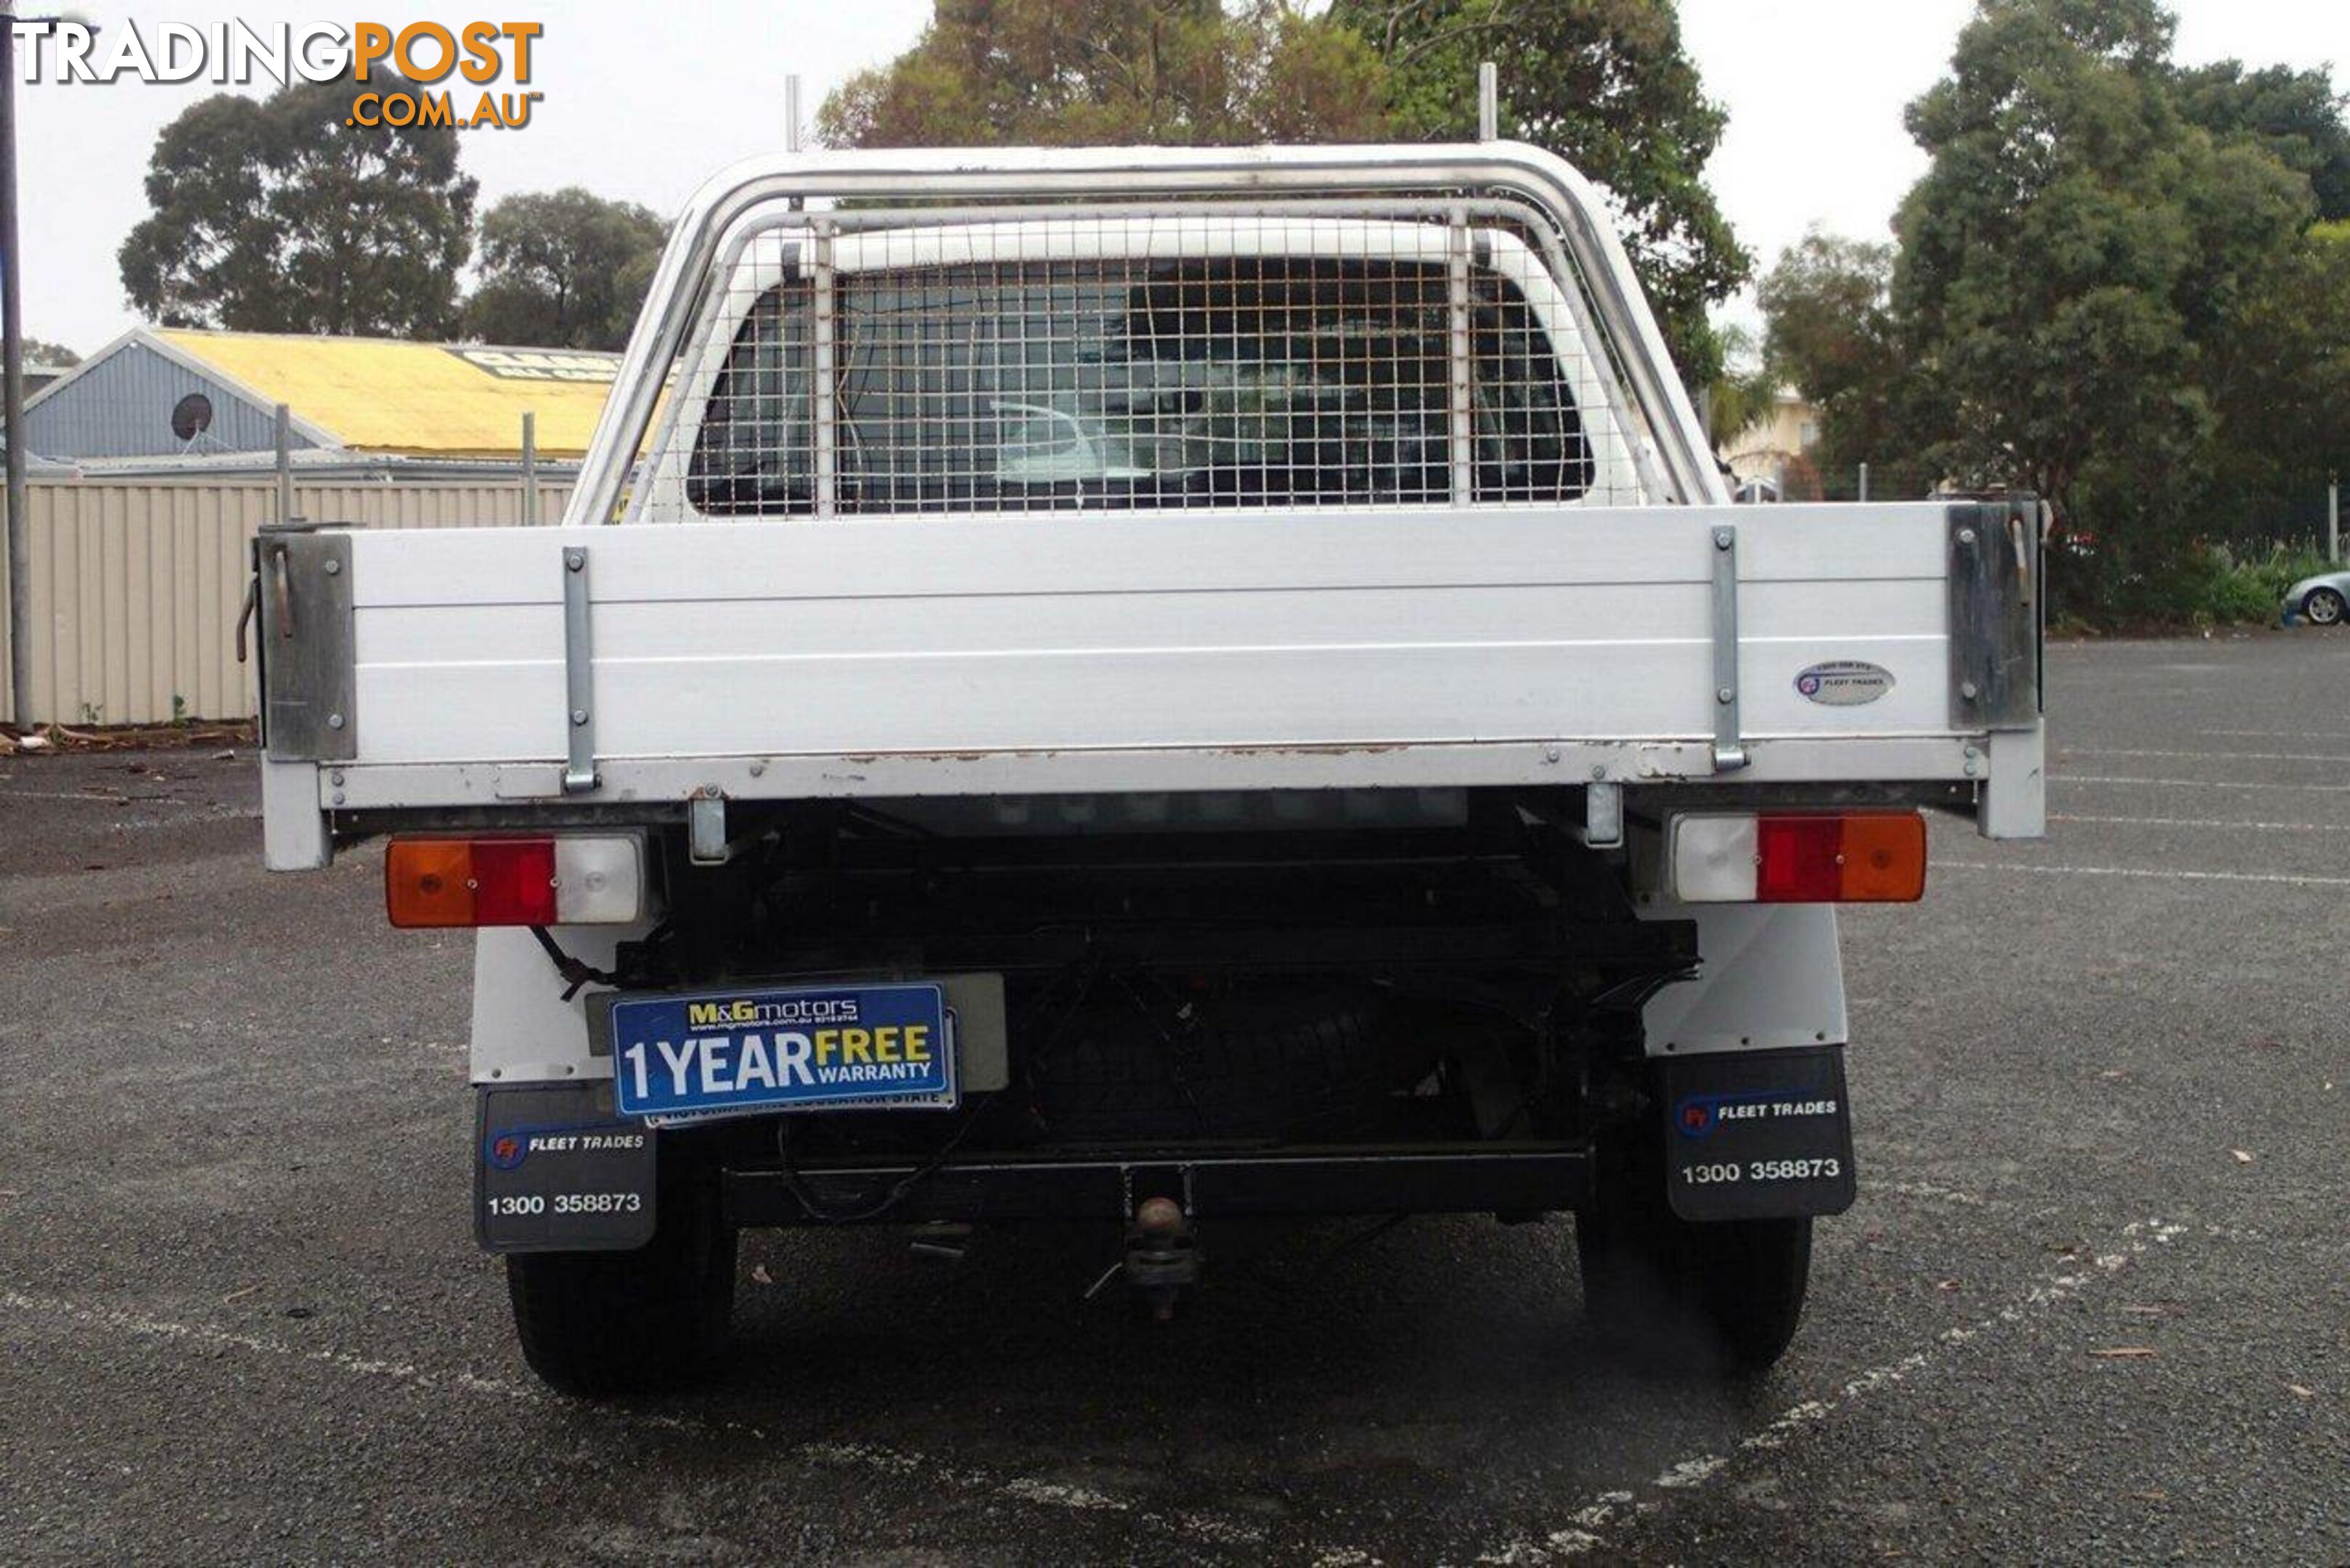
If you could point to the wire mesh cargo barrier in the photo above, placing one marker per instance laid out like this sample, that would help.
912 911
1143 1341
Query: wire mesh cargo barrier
1195 355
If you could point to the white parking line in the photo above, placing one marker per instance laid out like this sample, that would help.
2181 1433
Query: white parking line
96 797
2203 822
830 1453
2257 734
138 1326
2198 783
2284 879
1932 1192
1585 1530
2209 756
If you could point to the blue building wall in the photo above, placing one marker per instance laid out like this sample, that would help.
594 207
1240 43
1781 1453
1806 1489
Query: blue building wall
121 406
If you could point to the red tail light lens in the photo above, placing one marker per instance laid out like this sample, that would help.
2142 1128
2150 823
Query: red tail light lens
1864 857
515 881
571 879
1797 859
1874 856
469 882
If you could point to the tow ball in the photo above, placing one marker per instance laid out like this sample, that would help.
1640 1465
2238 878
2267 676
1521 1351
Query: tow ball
1162 1256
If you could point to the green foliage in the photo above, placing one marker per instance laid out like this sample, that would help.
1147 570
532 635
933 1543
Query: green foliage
562 269
39 352
2210 587
1747 389
1112 72
2108 289
2279 376
2071 230
274 215
1604 82
1607 86
1830 331
2295 114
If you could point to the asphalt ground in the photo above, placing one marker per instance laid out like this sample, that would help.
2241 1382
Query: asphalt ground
2093 1305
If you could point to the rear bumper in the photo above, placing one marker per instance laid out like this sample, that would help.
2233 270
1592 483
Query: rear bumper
1516 1178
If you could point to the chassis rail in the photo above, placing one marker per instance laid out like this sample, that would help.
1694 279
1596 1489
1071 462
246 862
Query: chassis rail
1430 1178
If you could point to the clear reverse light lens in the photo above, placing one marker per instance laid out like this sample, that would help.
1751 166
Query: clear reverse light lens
1714 860
598 881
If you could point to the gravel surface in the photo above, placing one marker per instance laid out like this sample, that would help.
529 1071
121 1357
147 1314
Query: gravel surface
2093 1305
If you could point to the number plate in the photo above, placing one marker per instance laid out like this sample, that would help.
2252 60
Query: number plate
1758 1135
797 1048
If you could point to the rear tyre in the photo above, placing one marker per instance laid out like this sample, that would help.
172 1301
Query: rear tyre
1720 1297
601 1323
2324 606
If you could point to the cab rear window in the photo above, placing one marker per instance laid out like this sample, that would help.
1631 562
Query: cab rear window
1140 383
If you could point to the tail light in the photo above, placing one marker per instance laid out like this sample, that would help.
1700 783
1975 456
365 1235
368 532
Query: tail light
562 881
1854 858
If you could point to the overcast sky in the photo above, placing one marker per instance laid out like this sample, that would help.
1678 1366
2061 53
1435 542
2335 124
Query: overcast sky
641 101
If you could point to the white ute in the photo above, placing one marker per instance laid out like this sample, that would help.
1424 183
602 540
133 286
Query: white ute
1143 686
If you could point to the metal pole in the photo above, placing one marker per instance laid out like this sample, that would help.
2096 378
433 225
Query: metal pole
1459 361
285 463
530 471
1489 101
792 111
1864 482
2334 521
12 392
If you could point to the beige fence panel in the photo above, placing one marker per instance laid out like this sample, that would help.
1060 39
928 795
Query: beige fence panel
136 584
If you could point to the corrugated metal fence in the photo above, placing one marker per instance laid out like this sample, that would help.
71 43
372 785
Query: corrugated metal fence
136 584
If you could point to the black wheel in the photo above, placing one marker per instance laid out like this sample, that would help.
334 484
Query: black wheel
600 1324
2324 606
1725 1296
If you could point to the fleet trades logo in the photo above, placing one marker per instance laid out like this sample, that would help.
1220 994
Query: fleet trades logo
479 54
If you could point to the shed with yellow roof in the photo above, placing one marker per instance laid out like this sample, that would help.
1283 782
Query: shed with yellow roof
177 394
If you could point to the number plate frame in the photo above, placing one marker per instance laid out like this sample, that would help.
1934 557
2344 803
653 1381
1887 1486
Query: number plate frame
802 1062
1758 1135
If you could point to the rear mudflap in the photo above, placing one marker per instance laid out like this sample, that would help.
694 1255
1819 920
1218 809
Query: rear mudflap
1757 1135
557 1171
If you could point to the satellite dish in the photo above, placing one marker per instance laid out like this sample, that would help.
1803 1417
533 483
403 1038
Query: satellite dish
191 416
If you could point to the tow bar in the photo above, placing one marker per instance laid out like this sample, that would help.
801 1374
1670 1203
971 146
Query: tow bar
1162 1256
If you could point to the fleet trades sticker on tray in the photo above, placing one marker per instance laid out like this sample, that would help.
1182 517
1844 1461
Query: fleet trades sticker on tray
800 1048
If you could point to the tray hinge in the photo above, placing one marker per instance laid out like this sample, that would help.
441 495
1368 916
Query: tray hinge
578 675
302 594
1729 744
1995 615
